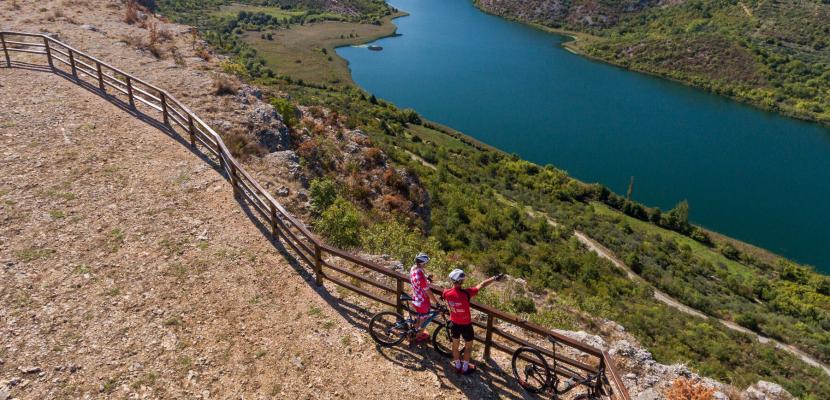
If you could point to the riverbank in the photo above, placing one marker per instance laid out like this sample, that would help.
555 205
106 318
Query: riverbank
307 52
763 97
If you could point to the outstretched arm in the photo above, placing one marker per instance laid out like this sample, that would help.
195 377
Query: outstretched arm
488 281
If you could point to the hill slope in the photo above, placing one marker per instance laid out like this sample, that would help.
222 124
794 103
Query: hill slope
770 53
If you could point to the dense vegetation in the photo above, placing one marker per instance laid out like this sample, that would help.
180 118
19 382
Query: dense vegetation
490 210
478 218
774 54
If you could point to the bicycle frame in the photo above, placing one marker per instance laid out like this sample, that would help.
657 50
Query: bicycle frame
430 316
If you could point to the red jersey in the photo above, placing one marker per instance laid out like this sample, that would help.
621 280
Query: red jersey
459 304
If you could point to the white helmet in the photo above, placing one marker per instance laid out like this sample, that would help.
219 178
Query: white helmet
421 258
457 275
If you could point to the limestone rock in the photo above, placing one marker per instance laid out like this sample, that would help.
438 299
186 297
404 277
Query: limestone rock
268 127
764 390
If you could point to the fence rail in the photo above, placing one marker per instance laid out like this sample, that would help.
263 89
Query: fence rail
321 258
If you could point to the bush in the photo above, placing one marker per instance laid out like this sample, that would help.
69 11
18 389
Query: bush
287 110
223 85
340 224
523 305
323 194
684 389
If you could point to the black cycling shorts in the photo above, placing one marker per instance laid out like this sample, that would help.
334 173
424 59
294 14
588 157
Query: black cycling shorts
465 331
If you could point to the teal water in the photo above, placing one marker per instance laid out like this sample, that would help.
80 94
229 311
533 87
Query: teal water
749 174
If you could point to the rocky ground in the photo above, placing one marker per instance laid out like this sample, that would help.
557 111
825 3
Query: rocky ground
129 271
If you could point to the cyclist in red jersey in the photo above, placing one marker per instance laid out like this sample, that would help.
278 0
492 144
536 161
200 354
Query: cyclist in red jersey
458 301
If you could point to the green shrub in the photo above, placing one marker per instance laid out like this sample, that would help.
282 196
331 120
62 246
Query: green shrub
340 224
287 110
523 305
323 194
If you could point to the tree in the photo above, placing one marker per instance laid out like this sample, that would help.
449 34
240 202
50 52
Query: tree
323 194
340 224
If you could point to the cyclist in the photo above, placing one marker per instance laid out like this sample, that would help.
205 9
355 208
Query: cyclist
422 296
461 323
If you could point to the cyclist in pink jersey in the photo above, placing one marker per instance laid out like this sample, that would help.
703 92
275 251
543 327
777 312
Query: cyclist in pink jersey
422 296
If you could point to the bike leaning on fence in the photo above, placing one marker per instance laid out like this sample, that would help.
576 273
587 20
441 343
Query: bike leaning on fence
390 328
536 375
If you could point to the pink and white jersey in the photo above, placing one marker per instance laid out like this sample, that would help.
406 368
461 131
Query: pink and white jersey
420 285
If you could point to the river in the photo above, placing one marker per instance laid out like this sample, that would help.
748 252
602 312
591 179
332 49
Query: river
753 175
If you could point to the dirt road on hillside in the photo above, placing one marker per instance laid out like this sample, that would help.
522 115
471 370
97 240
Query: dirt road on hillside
604 252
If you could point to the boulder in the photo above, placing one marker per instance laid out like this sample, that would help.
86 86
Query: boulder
249 94
268 126
764 390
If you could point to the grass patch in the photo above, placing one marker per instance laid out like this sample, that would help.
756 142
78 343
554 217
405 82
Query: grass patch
59 195
315 311
80 269
173 321
115 239
148 379
298 52
56 214
185 362
177 270
32 254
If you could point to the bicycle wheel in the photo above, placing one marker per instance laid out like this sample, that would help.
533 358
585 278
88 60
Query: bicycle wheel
388 328
587 396
442 340
531 369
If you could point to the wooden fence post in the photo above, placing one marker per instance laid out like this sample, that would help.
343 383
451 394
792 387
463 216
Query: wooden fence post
398 294
236 189
488 337
100 77
273 220
192 132
48 53
219 151
5 50
318 264
164 108
72 64
130 91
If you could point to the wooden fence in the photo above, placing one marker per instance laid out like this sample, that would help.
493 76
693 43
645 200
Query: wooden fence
325 261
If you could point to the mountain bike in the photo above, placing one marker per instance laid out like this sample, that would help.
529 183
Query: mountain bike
535 375
389 328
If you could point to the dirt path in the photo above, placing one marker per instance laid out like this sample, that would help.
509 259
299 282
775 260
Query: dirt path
604 252
129 270
663 297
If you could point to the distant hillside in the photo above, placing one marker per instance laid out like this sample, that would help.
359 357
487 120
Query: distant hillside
773 54
359 10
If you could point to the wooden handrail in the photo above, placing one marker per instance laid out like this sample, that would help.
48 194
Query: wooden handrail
304 243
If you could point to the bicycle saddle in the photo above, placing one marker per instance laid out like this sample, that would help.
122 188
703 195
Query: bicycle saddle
405 297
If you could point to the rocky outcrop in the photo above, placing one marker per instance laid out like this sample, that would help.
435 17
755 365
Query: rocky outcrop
267 125
764 390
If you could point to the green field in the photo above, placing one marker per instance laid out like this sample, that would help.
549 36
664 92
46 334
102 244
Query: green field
307 51
234 9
